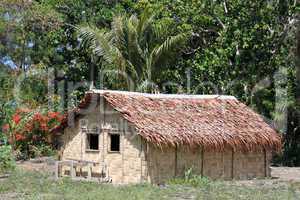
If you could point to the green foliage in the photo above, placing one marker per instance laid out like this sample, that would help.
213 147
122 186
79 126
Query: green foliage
135 46
7 162
191 179
6 111
42 150
32 89
30 27
6 84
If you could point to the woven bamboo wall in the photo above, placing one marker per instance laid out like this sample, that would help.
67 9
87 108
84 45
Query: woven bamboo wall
171 162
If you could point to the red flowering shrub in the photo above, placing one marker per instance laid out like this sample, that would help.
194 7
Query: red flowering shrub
16 118
30 129
19 137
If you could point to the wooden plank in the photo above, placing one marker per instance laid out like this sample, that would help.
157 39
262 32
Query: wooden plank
56 170
232 164
80 164
175 164
89 171
72 170
65 162
82 161
265 162
202 161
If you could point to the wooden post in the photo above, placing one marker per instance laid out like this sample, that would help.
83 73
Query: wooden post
81 173
143 161
56 169
175 164
148 160
265 162
89 176
232 164
72 170
202 161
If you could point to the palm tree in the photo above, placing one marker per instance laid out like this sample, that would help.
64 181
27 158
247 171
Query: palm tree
135 45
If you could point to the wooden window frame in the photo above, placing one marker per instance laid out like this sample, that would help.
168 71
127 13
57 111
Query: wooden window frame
94 131
114 132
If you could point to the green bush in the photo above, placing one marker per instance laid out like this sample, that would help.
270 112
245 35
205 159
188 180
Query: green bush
42 150
7 162
191 179
34 151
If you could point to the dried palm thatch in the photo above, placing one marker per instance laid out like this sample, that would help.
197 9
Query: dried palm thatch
213 122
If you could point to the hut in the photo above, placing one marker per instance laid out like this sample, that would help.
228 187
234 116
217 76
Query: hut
132 137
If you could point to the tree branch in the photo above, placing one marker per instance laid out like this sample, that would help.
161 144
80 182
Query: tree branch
225 7
220 22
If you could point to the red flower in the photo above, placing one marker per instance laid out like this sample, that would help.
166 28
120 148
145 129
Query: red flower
37 117
16 118
53 115
5 127
44 127
60 118
56 116
19 137
29 126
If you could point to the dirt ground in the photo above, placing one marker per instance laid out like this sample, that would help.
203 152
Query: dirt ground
280 176
43 164
286 173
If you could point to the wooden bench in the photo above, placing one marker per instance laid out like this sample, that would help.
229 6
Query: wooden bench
74 163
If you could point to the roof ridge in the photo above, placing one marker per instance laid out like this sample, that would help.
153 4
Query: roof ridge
179 96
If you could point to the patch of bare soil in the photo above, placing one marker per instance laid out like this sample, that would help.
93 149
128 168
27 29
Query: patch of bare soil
280 177
43 164
286 173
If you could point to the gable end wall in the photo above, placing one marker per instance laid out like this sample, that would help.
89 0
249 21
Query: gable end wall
122 167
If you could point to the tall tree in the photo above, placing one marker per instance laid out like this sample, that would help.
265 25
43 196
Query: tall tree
291 152
135 45
30 30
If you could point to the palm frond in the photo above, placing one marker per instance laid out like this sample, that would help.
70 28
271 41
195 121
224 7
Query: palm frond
131 45
168 46
145 29
98 41
145 21
118 31
159 31
86 36
134 51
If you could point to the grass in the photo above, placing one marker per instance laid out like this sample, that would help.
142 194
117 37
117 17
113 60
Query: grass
35 185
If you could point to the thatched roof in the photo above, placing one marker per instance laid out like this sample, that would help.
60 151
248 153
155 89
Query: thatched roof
211 121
